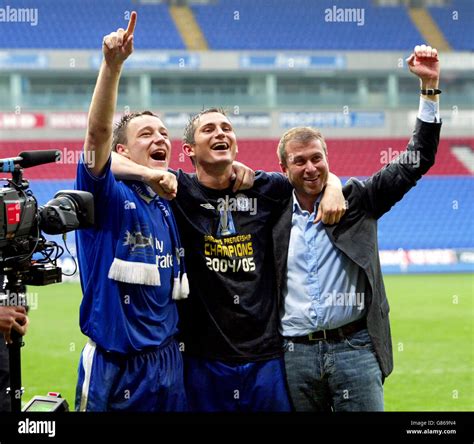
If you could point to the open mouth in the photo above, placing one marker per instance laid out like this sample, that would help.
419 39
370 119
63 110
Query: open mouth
311 180
159 155
220 146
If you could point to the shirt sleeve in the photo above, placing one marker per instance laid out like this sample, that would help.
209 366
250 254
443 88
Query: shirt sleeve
428 111
273 185
107 195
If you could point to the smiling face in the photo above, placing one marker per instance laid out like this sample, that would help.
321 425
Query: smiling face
306 166
215 142
147 142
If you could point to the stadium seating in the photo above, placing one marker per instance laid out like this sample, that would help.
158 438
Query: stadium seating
300 24
81 24
347 157
235 24
455 22
437 213
355 157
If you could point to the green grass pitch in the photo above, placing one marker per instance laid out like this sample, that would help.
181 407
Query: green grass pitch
432 329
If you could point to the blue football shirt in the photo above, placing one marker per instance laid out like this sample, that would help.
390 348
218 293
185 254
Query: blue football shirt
123 317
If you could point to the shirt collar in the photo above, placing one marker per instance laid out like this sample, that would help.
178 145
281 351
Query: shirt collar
297 207
144 191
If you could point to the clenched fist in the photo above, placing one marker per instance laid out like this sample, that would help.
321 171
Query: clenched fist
424 63
163 183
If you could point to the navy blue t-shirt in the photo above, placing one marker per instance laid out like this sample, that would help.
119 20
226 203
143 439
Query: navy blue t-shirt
117 316
232 312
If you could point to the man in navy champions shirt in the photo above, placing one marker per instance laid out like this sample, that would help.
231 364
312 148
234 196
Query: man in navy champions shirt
131 269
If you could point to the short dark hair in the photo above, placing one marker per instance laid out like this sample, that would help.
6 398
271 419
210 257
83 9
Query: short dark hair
190 128
120 129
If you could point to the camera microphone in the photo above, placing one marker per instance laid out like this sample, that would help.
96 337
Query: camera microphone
35 158
28 159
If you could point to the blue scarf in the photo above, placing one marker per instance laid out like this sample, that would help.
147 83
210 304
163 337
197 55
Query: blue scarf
135 257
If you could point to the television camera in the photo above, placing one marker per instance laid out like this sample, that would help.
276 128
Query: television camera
26 256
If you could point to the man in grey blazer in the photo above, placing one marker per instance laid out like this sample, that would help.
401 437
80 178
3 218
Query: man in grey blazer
333 303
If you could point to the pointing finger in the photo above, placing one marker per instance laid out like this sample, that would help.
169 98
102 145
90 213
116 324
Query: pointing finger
131 24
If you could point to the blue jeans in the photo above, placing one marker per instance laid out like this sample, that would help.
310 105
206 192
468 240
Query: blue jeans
341 376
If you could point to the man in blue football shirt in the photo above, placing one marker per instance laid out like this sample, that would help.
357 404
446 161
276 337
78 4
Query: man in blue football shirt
131 269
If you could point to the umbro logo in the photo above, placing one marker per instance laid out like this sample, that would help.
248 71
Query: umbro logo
207 206
130 205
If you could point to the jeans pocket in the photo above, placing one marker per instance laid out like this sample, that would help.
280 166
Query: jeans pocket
359 340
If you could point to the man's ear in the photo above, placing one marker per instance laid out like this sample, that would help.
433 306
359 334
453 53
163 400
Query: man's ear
122 150
283 169
188 150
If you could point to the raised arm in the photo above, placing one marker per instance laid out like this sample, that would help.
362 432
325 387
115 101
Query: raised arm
391 183
116 47
424 63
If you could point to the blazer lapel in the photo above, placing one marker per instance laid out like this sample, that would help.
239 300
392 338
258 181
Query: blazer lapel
281 241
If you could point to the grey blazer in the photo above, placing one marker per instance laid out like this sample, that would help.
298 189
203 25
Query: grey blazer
356 233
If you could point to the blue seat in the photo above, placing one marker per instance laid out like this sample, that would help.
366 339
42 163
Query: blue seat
437 213
455 21
301 24
81 24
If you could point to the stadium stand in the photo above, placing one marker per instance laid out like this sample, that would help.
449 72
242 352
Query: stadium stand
237 24
64 24
455 21
436 214
444 209
347 157
300 24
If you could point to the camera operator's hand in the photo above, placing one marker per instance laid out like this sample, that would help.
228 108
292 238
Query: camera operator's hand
162 183
13 318
118 45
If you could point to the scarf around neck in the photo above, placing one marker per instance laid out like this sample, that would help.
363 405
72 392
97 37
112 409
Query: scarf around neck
135 256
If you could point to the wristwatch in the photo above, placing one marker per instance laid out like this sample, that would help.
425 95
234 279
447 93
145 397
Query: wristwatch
430 92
